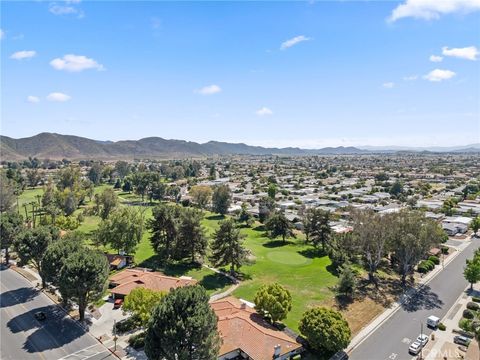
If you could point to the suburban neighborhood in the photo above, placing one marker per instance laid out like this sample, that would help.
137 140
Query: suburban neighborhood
240 180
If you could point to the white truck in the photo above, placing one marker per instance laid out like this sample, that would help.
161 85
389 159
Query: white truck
433 321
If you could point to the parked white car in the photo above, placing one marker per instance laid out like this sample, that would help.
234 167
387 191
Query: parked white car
415 348
422 339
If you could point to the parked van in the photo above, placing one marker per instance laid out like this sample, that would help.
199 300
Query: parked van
433 321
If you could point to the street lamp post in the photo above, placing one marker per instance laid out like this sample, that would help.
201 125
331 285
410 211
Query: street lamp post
421 337
115 335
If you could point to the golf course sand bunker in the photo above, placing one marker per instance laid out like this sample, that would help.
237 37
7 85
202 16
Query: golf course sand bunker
288 258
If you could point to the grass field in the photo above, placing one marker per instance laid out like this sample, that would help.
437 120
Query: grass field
292 264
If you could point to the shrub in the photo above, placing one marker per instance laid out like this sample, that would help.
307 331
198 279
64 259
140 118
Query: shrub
442 327
468 314
444 250
137 341
473 306
422 269
465 324
476 299
128 324
434 260
430 264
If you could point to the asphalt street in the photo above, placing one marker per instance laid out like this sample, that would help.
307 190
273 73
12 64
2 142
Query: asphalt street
391 340
22 337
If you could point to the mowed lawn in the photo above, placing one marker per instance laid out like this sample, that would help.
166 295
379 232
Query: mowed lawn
294 265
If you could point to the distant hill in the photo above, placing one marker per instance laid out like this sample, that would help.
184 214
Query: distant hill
465 148
57 146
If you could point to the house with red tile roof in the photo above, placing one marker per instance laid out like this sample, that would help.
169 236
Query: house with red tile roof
122 283
246 335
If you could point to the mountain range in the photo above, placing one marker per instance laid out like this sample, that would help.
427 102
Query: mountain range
57 146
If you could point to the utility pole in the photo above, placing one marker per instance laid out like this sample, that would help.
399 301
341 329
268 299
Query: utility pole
421 337
115 335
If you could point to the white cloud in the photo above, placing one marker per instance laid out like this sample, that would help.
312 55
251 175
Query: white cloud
24 54
410 77
58 97
469 53
439 75
66 8
33 99
293 41
75 63
2 34
432 9
209 90
264 111
388 85
435 58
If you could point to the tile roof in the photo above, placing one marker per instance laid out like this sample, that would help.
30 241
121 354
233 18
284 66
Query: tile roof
242 328
130 279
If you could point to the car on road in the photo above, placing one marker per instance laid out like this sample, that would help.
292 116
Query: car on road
415 348
117 303
461 340
40 315
422 339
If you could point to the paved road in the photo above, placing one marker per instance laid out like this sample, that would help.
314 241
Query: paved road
391 340
22 337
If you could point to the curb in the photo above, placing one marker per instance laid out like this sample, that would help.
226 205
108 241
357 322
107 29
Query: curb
83 327
401 301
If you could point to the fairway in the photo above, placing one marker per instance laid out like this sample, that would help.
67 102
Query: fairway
288 258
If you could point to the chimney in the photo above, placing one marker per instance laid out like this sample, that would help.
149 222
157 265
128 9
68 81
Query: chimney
276 351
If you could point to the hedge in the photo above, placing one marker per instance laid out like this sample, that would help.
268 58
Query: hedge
473 306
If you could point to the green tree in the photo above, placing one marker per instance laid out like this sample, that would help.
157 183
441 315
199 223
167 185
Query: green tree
109 201
57 254
370 231
221 199
266 206
183 326
472 271
83 278
325 329
317 227
278 225
122 230
244 216
141 302
201 195
273 301
31 245
69 178
33 177
227 246
95 173
396 188
191 235
272 191
11 224
122 168
7 193
411 235
475 225
164 229
347 281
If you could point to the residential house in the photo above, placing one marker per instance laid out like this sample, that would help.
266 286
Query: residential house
246 335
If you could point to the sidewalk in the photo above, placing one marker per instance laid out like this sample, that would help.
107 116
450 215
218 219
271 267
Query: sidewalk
380 319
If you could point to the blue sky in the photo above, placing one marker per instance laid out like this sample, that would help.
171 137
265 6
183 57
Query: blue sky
264 73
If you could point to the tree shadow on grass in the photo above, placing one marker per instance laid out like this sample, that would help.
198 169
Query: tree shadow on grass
343 301
215 217
312 253
259 228
215 281
277 243
158 263
384 293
